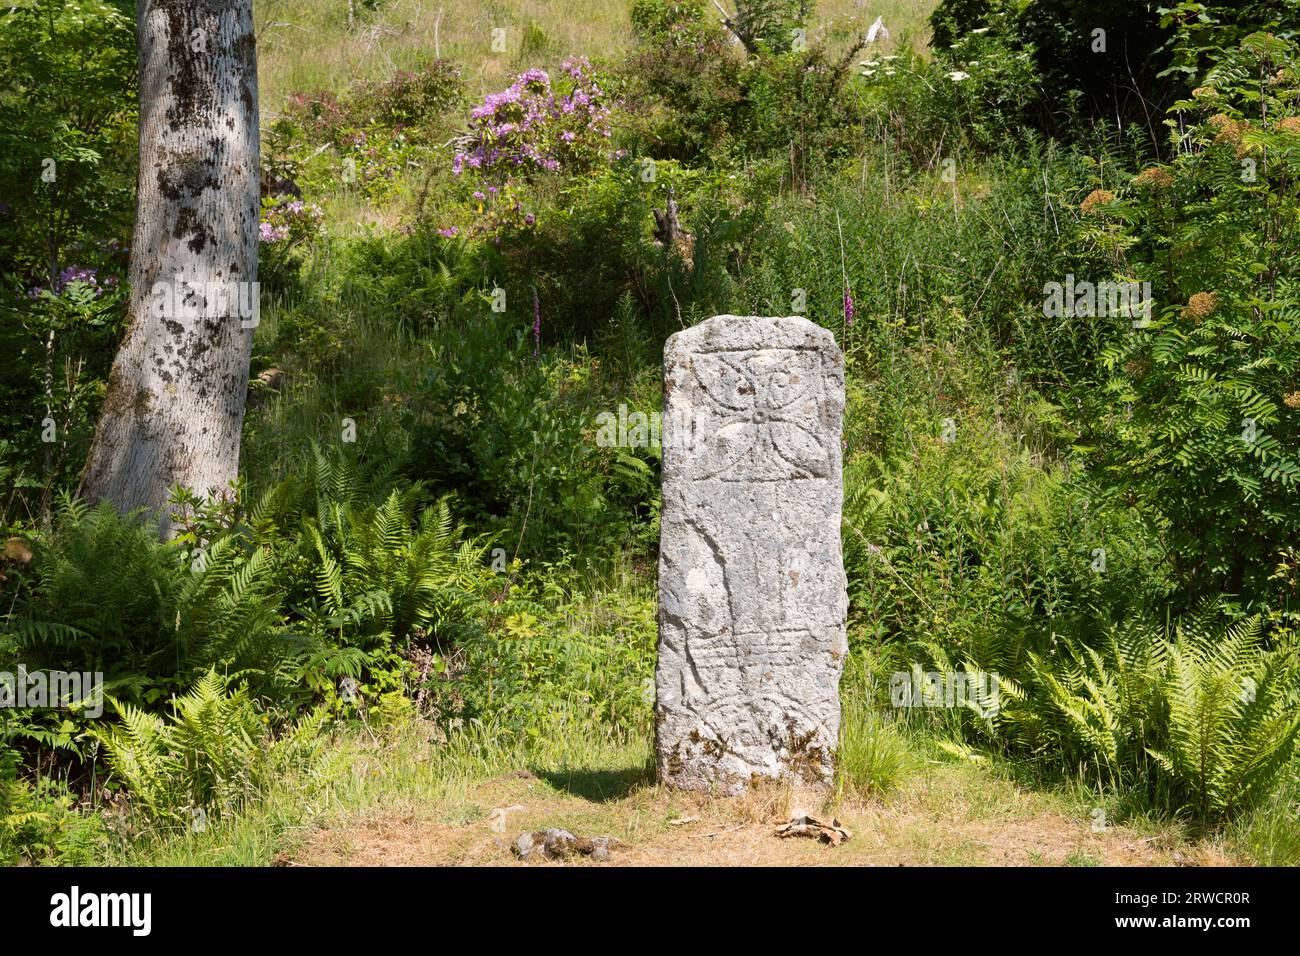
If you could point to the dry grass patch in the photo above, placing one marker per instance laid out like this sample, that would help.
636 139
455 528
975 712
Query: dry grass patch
949 814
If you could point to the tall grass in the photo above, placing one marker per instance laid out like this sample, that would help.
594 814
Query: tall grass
409 771
874 755
307 44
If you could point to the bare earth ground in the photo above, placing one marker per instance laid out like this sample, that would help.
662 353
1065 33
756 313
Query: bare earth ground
946 816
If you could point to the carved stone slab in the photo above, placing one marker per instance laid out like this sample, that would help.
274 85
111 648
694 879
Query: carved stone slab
752 598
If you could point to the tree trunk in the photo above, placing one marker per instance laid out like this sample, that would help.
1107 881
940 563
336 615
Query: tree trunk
174 406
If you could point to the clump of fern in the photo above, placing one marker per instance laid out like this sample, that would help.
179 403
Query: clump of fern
102 599
1206 721
381 574
204 760
150 615
1233 720
39 820
231 615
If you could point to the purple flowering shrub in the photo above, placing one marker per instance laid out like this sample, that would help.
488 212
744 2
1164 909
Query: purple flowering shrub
532 129
288 221
286 224
83 303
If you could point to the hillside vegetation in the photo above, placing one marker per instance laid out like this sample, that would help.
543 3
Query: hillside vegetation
432 595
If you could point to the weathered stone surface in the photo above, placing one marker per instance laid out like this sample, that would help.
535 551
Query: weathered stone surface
752 598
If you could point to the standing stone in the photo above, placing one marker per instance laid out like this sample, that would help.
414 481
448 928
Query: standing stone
752 593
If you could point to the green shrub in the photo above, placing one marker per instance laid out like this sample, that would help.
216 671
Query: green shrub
768 25
415 98
67 175
1199 414
413 102
368 137
671 20
973 552
692 98
515 436
975 100
801 106
682 84
69 98
558 656
1111 61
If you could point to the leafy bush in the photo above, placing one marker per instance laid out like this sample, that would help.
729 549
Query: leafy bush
514 435
691 98
1199 417
67 117
1113 61
67 176
375 131
556 658
409 101
768 25
682 83
800 105
1116 75
409 98
1097 59
972 552
974 100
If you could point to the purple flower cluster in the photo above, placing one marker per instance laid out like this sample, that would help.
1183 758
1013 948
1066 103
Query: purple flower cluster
83 274
531 126
284 218
269 233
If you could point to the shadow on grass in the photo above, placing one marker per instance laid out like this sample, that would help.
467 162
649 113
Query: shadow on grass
600 786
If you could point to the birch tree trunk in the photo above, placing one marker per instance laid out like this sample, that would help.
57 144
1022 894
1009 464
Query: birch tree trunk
174 406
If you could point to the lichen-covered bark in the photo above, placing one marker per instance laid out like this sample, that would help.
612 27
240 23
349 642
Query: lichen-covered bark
175 401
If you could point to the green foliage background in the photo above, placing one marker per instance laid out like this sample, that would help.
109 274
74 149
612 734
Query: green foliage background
427 529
